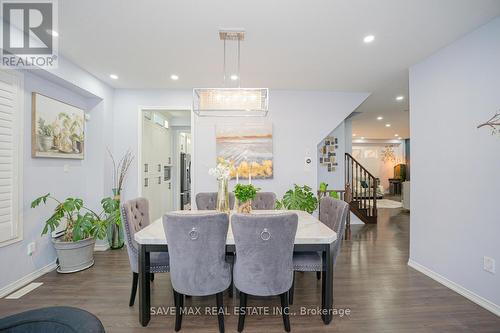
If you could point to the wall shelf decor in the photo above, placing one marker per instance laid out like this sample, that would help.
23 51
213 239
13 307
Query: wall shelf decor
328 153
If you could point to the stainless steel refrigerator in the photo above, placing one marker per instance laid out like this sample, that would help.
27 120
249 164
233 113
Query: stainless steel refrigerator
185 181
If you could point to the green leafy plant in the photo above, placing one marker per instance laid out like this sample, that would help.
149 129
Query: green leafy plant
81 221
323 190
334 195
44 130
298 198
245 192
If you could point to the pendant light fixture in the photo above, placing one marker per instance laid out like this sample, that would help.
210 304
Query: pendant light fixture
228 102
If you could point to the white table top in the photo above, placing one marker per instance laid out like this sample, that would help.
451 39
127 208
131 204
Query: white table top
309 229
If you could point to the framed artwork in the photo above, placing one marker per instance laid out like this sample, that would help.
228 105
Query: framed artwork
248 147
328 153
57 128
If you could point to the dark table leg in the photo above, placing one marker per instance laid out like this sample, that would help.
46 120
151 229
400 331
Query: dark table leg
144 288
327 285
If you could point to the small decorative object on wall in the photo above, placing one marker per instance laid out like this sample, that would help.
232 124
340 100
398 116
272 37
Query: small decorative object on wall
493 123
57 129
388 154
248 148
328 153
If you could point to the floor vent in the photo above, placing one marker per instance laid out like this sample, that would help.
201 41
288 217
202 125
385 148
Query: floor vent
24 290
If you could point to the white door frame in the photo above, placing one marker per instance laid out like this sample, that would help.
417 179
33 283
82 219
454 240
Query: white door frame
140 111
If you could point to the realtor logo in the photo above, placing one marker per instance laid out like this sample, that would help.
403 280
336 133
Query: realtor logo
29 34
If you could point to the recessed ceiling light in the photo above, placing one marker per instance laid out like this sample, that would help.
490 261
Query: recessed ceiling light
369 39
113 76
387 125
234 77
362 138
53 33
380 118
400 138
174 77
396 134
400 98
353 134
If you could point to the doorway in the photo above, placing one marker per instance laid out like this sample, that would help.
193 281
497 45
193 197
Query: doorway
165 152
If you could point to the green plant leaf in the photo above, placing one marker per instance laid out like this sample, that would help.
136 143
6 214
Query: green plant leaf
300 198
39 200
245 192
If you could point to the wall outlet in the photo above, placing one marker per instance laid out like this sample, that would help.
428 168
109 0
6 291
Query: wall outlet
489 264
66 168
31 248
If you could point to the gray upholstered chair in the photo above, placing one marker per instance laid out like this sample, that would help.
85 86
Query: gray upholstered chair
333 213
197 248
135 216
208 200
61 319
264 201
264 251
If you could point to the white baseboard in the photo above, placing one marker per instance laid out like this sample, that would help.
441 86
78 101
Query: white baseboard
27 279
488 305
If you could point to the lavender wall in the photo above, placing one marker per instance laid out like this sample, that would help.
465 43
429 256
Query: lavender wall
455 181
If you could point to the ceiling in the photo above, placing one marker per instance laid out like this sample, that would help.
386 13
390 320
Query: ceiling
289 44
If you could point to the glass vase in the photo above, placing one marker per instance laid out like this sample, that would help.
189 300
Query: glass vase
115 230
222 196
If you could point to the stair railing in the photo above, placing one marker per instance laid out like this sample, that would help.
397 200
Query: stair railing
361 190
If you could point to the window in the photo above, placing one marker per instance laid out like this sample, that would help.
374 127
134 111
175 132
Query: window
11 144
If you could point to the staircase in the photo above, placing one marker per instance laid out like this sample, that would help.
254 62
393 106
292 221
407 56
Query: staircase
360 190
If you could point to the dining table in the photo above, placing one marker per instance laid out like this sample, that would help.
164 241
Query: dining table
312 235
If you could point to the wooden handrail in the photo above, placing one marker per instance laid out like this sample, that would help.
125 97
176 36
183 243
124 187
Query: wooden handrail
360 165
362 189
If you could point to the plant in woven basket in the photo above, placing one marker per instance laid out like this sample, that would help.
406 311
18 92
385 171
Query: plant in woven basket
245 194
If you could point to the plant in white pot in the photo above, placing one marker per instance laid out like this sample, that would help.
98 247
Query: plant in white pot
75 248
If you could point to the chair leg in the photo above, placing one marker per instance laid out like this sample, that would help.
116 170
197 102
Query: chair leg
179 304
135 279
285 311
318 275
231 286
292 289
243 305
220 311
152 276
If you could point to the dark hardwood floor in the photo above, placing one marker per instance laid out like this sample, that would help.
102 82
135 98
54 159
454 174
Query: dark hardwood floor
372 280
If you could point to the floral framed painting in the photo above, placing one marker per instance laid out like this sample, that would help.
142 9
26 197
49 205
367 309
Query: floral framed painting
57 128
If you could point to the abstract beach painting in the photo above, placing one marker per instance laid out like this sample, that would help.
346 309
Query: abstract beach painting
248 148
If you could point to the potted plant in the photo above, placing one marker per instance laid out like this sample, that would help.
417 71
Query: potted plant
323 191
120 170
298 198
45 138
245 194
75 248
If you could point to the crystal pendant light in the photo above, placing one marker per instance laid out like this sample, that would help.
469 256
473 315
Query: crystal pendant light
228 102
